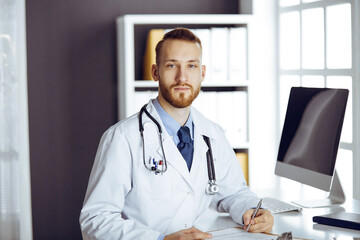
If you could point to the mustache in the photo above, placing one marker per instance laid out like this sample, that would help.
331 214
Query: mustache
181 85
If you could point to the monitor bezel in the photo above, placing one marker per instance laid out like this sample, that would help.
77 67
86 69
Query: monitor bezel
303 175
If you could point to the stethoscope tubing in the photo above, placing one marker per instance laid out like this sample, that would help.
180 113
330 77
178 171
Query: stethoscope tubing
141 129
210 161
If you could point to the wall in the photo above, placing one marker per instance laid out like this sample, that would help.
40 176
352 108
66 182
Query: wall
71 49
263 124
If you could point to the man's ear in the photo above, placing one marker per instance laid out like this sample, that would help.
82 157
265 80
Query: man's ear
155 72
203 72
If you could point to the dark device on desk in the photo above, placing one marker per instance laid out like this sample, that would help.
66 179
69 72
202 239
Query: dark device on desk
310 141
285 236
341 219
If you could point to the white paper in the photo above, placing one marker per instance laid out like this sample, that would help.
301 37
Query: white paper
236 233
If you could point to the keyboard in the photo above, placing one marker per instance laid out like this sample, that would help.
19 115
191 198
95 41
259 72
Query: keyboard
277 206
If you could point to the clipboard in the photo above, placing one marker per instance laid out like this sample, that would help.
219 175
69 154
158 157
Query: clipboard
240 233
286 236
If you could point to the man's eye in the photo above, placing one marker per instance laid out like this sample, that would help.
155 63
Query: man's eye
171 65
192 66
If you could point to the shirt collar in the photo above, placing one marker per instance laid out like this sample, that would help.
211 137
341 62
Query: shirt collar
171 125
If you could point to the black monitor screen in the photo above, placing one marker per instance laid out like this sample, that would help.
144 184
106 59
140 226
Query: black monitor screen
312 128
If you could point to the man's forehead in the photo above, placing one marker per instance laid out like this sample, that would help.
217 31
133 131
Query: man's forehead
173 49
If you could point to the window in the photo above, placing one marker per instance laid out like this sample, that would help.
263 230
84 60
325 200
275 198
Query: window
15 204
317 48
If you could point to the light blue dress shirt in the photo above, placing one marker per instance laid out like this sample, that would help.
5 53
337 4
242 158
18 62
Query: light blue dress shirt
171 125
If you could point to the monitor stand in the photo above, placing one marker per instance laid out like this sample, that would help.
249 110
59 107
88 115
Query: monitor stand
336 197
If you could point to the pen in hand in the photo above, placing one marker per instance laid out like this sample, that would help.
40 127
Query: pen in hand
254 214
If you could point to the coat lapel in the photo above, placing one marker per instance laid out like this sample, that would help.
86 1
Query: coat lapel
199 164
175 159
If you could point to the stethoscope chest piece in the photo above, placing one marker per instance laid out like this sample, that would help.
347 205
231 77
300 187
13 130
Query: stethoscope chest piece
212 188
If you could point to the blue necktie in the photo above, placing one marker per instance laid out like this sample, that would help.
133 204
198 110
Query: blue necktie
186 146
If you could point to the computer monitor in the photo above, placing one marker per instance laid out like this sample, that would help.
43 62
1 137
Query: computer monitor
310 141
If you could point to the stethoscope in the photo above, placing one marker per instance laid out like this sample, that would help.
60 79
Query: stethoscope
160 166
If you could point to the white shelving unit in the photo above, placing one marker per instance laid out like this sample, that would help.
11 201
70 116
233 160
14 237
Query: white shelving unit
129 86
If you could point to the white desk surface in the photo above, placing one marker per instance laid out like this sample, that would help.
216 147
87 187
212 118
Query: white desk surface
299 223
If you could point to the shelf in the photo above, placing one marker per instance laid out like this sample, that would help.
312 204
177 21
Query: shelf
207 19
240 147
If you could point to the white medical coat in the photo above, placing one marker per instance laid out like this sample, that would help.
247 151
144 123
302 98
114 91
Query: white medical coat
124 200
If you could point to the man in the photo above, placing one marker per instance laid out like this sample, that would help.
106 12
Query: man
125 199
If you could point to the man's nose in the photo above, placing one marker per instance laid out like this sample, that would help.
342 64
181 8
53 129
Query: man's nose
181 75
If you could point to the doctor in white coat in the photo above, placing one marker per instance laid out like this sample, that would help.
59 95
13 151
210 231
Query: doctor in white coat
126 200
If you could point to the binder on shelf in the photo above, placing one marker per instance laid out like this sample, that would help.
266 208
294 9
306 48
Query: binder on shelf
243 160
225 113
202 103
233 119
219 54
204 35
141 98
240 117
154 36
237 54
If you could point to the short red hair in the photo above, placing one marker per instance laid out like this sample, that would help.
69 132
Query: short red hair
179 33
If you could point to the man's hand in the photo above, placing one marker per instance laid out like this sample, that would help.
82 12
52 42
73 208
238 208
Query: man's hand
262 222
188 234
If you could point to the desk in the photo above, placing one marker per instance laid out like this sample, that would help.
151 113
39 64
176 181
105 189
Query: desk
299 223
